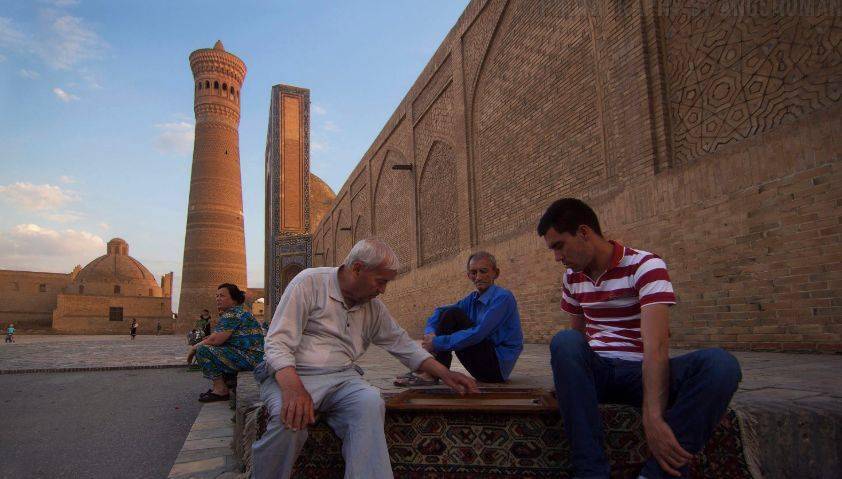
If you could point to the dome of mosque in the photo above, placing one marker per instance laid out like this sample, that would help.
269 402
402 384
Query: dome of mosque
321 199
115 274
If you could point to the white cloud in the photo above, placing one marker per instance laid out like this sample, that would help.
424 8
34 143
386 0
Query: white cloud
67 180
30 74
316 145
61 3
69 41
318 109
330 126
175 138
37 197
62 41
64 217
33 247
104 226
64 96
10 36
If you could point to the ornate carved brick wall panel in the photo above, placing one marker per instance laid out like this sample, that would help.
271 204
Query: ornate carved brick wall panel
535 122
437 204
733 76
393 207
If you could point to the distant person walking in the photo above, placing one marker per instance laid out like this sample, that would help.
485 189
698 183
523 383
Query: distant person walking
10 333
158 329
134 328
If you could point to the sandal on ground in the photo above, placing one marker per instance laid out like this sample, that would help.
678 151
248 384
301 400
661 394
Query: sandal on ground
414 380
210 396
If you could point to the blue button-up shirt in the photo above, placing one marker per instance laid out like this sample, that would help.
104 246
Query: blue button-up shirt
495 317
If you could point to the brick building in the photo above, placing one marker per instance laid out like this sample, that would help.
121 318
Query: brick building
101 298
707 132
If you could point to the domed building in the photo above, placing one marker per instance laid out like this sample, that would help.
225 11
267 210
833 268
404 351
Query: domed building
105 295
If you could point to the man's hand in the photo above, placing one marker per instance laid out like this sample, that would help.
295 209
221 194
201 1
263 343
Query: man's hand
190 355
664 446
297 411
427 342
460 383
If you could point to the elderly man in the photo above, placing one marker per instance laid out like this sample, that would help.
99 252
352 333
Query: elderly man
617 300
483 328
325 321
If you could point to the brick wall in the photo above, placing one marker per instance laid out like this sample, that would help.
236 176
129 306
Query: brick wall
23 303
90 314
705 134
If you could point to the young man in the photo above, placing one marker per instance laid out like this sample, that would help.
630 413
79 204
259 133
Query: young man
324 322
617 350
10 333
483 328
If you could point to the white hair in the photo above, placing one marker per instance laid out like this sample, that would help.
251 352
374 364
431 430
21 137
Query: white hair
372 253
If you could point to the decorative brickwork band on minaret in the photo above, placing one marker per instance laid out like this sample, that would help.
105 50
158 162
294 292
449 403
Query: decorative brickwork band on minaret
214 242
288 200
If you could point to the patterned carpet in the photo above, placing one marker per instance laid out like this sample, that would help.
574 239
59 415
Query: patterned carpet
458 445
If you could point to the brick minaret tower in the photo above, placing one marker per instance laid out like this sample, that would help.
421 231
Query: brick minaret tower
214 243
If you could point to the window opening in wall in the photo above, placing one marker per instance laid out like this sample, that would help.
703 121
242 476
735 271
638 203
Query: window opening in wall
42 288
15 286
225 87
216 85
116 289
207 84
115 313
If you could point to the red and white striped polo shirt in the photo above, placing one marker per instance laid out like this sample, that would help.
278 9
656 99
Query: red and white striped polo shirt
611 303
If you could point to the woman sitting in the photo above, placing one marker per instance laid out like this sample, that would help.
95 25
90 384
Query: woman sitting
235 345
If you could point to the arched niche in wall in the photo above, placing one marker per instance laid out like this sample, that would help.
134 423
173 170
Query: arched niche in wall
437 199
535 129
289 273
393 207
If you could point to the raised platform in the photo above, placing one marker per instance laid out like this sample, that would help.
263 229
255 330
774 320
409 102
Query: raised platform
791 403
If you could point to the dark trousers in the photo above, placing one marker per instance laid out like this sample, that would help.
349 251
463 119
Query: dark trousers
701 385
479 359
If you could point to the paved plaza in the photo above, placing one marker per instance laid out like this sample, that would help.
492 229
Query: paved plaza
795 398
809 379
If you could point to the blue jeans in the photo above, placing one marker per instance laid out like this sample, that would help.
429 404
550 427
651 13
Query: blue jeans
701 385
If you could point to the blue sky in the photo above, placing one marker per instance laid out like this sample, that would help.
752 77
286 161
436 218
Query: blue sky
96 110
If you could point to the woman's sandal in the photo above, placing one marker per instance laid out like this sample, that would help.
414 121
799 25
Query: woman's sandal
413 380
210 396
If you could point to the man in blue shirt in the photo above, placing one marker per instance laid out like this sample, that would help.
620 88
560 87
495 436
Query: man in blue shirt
483 329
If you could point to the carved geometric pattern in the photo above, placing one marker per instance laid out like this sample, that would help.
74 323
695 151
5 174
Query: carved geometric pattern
437 204
732 76
476 444
285 247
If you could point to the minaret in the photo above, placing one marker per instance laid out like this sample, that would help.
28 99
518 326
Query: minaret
214 243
